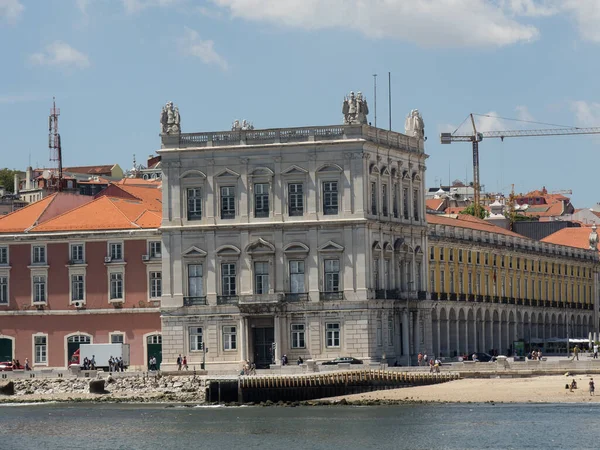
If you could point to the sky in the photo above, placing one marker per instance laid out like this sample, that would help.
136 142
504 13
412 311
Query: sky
113 64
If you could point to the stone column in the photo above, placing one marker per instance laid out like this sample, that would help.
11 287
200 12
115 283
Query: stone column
277 325
405 335
416 329
243 338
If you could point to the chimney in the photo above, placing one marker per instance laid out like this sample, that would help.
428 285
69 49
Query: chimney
28 181
16 186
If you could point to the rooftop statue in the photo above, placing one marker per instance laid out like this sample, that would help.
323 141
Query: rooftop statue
355 109
170 119
244 125
414 125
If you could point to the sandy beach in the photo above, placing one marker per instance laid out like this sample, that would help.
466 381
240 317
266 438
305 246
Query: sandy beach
542 389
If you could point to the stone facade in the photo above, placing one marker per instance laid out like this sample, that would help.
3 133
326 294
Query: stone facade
301 241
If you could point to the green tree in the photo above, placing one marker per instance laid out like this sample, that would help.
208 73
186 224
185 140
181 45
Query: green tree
7 179
471 211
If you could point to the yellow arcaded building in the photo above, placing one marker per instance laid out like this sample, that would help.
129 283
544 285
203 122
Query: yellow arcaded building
491 287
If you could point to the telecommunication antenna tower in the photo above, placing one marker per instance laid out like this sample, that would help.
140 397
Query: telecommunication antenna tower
54 143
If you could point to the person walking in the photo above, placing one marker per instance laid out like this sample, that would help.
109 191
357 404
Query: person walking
592 387
595 351
431 365
576 352
185 364
179 362
420 358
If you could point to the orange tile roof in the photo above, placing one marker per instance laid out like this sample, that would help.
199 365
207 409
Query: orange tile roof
434 203
104 213
96 180
139 182
151 195
468 221
571 237
24 218
92 170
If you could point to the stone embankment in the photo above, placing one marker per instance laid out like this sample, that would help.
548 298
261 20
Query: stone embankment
120 389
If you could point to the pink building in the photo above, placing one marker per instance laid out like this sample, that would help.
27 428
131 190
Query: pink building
78 269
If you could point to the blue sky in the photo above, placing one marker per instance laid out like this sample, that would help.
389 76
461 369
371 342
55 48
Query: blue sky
112 64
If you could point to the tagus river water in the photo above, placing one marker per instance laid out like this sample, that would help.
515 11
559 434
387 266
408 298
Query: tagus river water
81 426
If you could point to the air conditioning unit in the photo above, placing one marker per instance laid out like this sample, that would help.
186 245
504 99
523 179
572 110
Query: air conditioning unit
107 259
78 305
145 257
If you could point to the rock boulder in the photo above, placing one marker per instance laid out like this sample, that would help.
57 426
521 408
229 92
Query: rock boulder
7 388
97 387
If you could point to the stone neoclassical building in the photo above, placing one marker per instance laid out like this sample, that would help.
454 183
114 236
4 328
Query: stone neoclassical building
300 241
490 287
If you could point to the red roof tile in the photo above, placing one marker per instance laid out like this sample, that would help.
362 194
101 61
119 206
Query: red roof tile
571 237
24 218
468 221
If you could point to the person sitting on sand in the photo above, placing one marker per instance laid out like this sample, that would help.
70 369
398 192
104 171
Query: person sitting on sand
592 387
573 385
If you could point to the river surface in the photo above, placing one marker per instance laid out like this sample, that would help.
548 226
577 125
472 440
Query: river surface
481 426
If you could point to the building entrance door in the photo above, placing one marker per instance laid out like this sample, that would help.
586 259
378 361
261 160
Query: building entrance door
154 345
6 351
73 343
263 346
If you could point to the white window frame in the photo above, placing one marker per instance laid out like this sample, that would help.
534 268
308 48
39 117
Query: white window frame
230 340
34 348
120 271
34 275
262 276
4 255
117 333
264 186
390 331
72 290
325 273
333 333
301 195
152 284
235 277
198 203
152 249
5 274
298 335
235 199
33 255
201 276
298 263
109 252
324 206
195 345
72 260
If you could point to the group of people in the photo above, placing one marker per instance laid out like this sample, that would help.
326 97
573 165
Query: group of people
89 364
573 385
16 365
182 362
116 364
152 363
535 355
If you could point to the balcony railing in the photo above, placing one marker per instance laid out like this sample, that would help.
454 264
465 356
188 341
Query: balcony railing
453 296
331 295
227 299
260 298
194 301
421 295
295 297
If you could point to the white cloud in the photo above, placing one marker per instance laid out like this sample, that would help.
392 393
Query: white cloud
19 98
429 23
442 23
587 17
191 44
524 114
586 114
60 54
130 6
11 9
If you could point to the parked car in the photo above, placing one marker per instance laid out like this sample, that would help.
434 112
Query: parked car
482 357
342 359
6 366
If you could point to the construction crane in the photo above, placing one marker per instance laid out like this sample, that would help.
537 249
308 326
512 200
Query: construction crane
477 137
